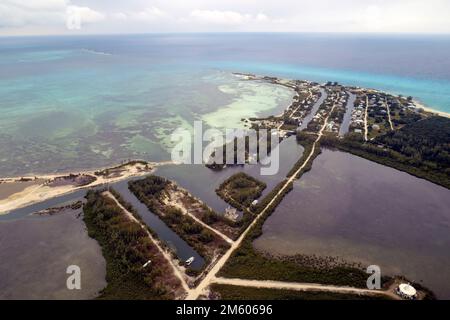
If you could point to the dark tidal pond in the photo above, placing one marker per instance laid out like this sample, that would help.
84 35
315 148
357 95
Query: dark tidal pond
364 212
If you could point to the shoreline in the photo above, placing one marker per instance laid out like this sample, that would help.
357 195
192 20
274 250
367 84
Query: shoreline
55 174
420 105
43 190
279 81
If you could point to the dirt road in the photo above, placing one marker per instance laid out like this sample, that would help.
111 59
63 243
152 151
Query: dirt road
268 284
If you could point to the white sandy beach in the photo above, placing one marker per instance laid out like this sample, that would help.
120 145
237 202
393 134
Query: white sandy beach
428 109
42 191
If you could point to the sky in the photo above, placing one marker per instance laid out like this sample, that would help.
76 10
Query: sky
42 17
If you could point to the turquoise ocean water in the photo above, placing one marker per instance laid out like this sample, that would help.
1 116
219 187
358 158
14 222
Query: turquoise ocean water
83 102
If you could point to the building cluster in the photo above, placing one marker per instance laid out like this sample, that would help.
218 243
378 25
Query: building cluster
384 111
377 112
302 108
357 117
337 97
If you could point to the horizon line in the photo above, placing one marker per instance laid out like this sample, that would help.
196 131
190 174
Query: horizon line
228 32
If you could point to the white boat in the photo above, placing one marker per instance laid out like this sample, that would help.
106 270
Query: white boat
189 261
147 263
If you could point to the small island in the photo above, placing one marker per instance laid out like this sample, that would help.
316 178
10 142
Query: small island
241 191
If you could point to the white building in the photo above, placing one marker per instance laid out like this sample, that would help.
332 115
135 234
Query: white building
406 291
231 214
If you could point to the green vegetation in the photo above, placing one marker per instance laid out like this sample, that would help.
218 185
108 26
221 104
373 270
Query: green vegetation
240 190
126 248
150 191
151 187
421 149
125 203
426 141
406 118
227 292
290 125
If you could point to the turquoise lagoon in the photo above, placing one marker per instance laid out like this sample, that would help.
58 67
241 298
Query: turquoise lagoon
81 102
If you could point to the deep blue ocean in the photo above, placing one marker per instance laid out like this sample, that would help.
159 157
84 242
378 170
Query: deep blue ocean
117 96
416 65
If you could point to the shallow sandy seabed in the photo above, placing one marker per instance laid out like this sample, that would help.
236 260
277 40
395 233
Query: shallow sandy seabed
254 99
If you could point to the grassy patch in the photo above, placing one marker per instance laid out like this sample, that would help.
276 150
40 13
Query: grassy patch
240 190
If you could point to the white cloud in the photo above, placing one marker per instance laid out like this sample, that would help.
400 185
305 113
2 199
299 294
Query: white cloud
226 17
48 5
85 14
20 13
119 16
372 18
230 15
261 17
14 13
402 16
146 15
219 17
